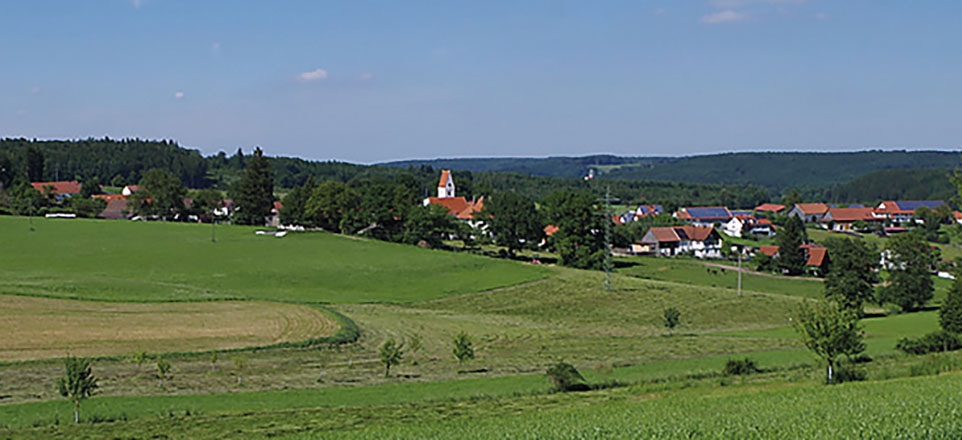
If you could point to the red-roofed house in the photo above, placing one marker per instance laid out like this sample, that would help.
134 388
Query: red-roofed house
58 189
809 212
701 241
770 207
816 257
844 219
903 211
741 225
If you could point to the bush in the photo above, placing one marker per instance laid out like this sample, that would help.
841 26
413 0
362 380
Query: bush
739 367
848 372
931 343
565 377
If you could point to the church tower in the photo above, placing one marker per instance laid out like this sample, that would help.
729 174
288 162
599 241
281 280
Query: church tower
446 185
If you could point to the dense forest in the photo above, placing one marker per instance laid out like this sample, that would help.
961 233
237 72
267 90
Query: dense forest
736 180
777 172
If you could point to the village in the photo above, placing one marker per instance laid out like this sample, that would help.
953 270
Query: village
703 232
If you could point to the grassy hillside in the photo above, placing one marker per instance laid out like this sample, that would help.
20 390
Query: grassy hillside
134 261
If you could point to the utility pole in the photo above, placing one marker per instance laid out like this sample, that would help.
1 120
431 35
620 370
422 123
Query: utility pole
740 272
607 238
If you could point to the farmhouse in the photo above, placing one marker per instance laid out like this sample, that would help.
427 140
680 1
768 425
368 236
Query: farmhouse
845 219
700 241
770 208
741 225
59 189
816 257
809 212
903 211
705 215
456 206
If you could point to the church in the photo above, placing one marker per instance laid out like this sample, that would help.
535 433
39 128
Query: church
456 206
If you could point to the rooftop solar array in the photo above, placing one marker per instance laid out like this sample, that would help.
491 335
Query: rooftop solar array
912 205
708 213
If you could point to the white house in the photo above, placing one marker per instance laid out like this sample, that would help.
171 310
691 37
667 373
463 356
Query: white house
741 225
700 241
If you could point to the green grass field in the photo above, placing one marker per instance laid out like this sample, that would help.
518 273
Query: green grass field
135 261
521 318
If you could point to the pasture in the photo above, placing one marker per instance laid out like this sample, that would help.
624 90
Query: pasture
139 261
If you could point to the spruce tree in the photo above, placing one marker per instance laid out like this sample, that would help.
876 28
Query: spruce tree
950 314
254 194
791 257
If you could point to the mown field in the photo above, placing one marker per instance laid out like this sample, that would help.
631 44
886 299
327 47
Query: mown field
37 328
137 261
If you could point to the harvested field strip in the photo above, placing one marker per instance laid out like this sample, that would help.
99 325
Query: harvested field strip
35 328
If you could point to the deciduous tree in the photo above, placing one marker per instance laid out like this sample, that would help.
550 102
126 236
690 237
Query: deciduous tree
463 348
830 331
910 260
851 277
77 384
391 354
514 220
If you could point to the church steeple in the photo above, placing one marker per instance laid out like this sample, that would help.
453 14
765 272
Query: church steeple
446 185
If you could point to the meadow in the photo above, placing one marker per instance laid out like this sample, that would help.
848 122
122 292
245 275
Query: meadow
141 261
521 318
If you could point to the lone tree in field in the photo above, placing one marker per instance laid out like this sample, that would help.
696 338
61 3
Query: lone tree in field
77 383
240 363
564 376
830 331
671 318
463 348
254 193
791 256
851 278
391 354
950 314
163 371
910 260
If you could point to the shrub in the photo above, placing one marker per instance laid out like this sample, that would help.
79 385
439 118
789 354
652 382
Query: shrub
930 343
565 377
738 367
848 372
671 318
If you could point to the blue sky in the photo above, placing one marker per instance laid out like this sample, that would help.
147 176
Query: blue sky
367 81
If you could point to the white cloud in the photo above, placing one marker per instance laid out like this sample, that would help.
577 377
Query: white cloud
366 76
726 16
215 46
313 75
178 95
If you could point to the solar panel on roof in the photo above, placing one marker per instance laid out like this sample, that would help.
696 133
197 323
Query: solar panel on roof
912 205
708 212
681 233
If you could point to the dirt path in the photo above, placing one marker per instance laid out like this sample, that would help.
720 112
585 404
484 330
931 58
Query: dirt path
761 274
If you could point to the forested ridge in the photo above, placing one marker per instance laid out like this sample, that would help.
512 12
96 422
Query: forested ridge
735 180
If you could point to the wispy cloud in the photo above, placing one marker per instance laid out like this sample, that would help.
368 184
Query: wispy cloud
35 90
821 16
215 46
178 95
660 11
313 75
137 3
366 76
726 16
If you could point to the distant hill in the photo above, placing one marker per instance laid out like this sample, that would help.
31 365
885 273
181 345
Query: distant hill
772 170
895 185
